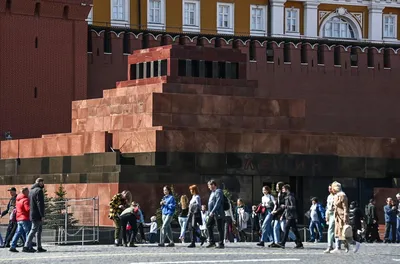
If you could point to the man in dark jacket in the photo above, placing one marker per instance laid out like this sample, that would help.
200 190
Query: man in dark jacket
12 224
36 200
277 214
291 217
216 214
355 217
371 218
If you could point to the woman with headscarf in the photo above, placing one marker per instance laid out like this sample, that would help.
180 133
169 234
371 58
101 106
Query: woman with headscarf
341 214
118 204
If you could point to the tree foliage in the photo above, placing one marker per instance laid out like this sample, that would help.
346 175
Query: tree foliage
56 210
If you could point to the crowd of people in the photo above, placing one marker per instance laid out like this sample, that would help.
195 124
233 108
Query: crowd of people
273 221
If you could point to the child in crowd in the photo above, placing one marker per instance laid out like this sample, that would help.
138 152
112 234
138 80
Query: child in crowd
153 229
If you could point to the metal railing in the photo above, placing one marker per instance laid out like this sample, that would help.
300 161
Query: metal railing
68 221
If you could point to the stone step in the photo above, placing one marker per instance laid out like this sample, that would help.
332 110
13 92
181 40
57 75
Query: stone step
56 145
272 142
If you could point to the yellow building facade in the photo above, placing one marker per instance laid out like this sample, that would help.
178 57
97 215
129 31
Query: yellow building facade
351 19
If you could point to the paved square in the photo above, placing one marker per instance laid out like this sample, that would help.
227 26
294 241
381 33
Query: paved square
233 253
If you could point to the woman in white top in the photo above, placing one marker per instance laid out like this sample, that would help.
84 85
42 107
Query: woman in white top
267 202
229 222
195 216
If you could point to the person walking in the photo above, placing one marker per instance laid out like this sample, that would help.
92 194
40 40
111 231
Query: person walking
371 215
277 213
242 217
330 219
216 214
268 203
129 215
183 217
22 216
390 221
195 217
355 217
341 214
229 225
12 224
140 222
118 204
317 218
290 215
255 224
36 215
398 217
168 205
204 219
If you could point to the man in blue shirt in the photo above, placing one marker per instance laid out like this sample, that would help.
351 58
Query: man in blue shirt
390 220
216 214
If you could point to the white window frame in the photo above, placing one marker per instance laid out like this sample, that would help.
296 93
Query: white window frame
196 26
231 19
261 31
89 19
343 25
297 31
157 25
386 36
125 21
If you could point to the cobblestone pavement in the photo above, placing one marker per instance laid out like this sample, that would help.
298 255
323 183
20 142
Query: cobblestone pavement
233 253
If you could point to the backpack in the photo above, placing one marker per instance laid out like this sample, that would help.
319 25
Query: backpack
226 203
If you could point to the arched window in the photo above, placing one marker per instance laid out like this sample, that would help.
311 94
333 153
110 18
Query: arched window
338 27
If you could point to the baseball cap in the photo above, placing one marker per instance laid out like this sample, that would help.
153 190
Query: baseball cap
12 189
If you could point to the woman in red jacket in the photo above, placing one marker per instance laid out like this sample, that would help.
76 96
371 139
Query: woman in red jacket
24 223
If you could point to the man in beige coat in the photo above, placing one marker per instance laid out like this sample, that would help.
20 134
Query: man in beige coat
341 214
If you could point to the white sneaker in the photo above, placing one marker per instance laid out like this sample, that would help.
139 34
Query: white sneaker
328 250
356 247
336 250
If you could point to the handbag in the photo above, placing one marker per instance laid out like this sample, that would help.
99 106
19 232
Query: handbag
347 231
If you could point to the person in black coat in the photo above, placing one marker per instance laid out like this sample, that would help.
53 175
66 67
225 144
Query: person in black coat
36 200
355 217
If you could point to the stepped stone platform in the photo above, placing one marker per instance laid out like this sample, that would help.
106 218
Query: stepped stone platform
185 115
191 99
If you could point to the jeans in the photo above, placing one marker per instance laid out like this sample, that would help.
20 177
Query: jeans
124 220
183 223
267 234
398 229
291 223
277 231
313 225
220 226
22 230
166 229
331 230
291 234
35 230
390 228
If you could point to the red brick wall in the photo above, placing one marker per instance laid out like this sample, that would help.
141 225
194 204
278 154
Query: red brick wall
57 67
358 100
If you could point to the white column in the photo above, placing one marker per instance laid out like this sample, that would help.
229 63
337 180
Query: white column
311 19
375 23
277 18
